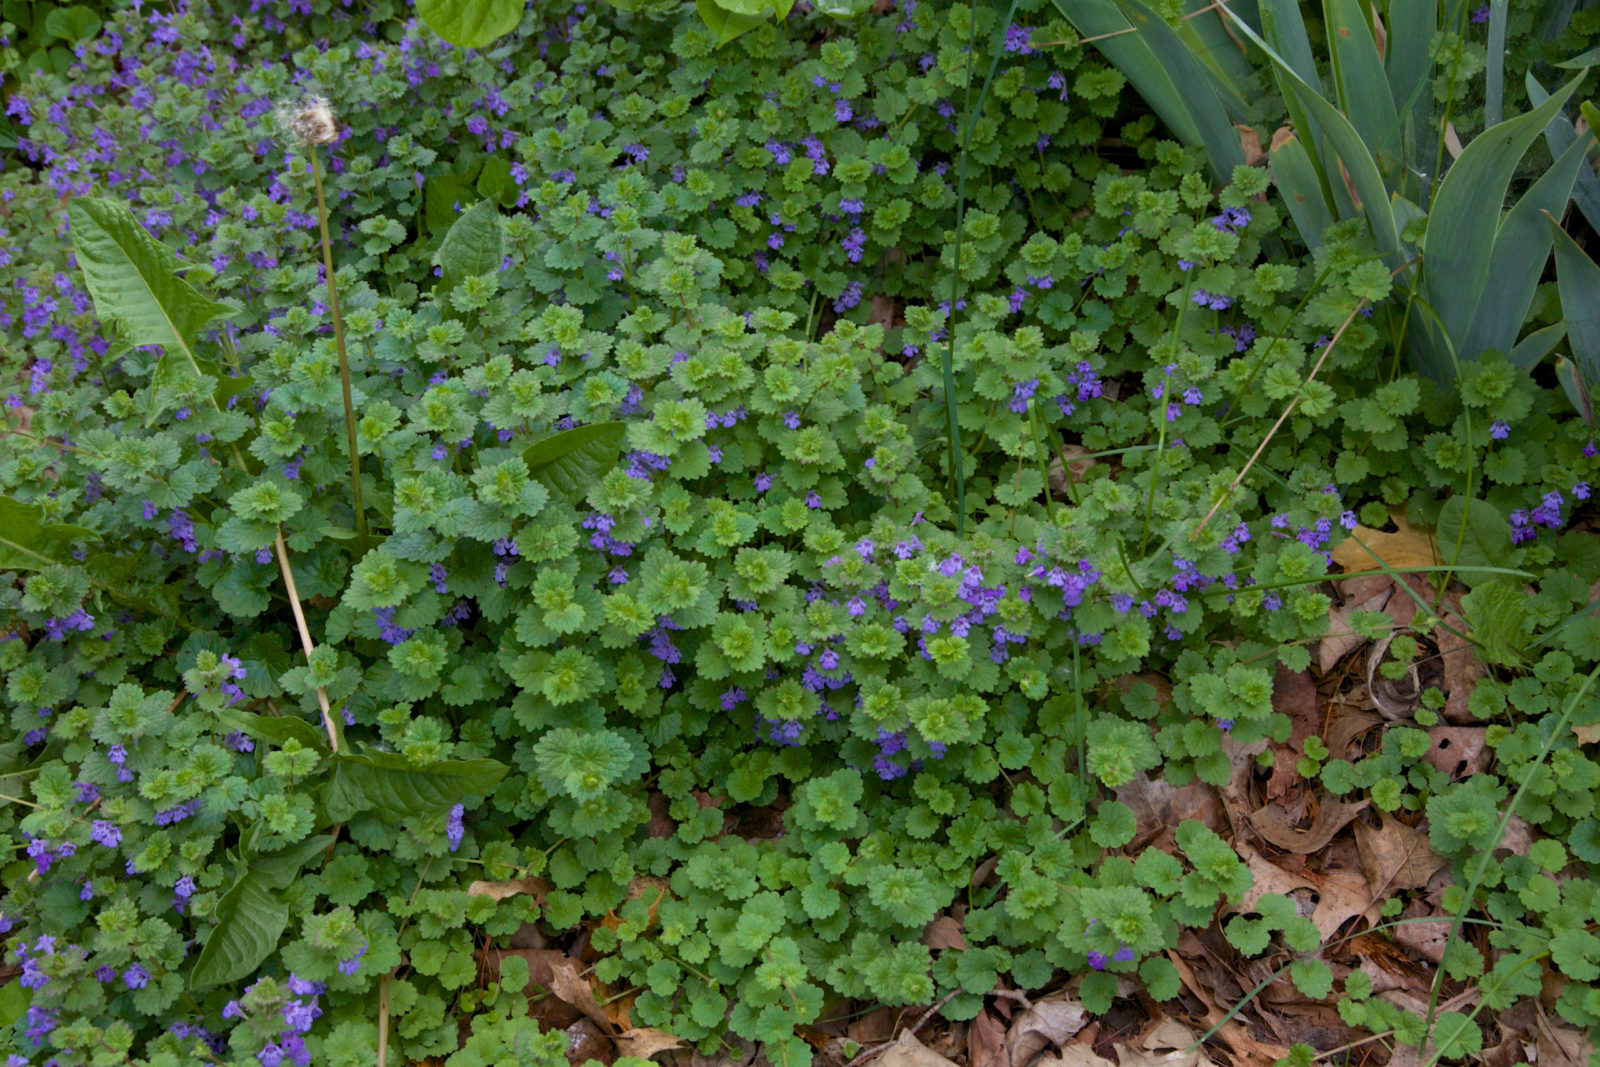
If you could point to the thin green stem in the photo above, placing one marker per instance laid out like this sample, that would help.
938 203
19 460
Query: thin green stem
344 358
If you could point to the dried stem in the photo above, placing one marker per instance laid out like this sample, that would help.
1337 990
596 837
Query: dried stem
305 637
1286 410
338 340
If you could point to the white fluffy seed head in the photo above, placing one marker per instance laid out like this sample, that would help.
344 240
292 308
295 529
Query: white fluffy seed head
311 122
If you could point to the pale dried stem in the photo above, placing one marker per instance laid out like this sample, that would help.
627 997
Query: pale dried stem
1286 410
305 637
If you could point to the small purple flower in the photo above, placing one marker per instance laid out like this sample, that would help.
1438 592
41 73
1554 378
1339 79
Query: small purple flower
454 828
1500 430
136 977
1097 960
108 834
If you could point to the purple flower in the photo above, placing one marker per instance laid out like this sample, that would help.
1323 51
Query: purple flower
105 833
136 977
454 828
1097 960
1021 393
1500 430
1019 40
1123 954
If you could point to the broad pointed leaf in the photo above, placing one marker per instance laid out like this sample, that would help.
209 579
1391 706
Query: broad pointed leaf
1358 78
133 277
473 245
1473 533
1576 388
471 23
274 728
279 868
250 920
571 461
29 543
396 787
1408 63
1559 135
1526 353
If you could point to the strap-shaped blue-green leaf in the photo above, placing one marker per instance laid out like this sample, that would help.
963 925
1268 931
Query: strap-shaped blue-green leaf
29 543
1521 250
1200 90
1559 135
1576 388
1578 280
470 23
133 277
1208 39
1408 64
1345 145
395 787
1358 78
1160 66
1526 353
1297 183
1494 69
1464 219
250 920
474 244
571 461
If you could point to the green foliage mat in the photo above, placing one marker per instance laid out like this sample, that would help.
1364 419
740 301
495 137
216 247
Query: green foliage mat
656 597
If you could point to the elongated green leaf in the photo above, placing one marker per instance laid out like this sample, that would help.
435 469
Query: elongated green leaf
1494 70
133 277
396 787
250 920
1207 37
470 23
1408 64
1479 530
1527 353
1521 250
1161 67
1197 86
1284 28
1297 182
473 245
274 728
1559 135
29 543
1578 280
1345 144
571 461
1465 218
1363 91
278 869
1576 388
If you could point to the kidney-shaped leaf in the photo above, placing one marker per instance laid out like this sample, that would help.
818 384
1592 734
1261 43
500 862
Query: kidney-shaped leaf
470 23
571 461
250 920
395 786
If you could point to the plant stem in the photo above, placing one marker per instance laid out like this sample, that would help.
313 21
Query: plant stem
338 340
305 638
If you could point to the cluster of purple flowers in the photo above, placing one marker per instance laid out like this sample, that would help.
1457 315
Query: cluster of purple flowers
58 629
388 632
601 538
1525 522
1215 301
1084 385
298 1016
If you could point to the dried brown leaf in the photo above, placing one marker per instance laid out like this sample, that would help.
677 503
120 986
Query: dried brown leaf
986 1041
1459 751
1167 1045
907 1051
944 932
1276 825
644 1042
1049 1021
1406 546
537 888
1394 856
1341 640
1075 1056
